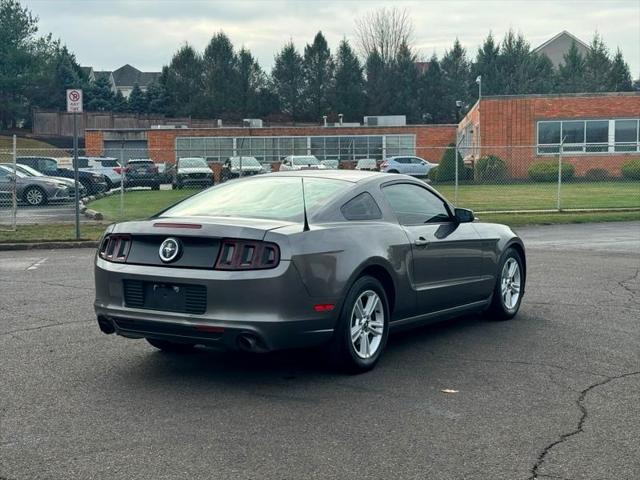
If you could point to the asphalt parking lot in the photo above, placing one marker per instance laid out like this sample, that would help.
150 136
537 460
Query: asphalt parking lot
551 394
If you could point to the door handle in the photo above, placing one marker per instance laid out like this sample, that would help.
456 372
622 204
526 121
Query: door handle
421 242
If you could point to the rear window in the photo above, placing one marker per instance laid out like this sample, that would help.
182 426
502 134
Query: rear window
361 207
311 160
109 163
192 163
267 198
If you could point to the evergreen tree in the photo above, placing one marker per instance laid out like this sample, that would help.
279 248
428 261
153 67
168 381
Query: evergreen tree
432 93
99 97
17 37
619 75
597 65
318 70
251 79
378 86
220 76
456 74
156 98
348 96
120 103
487 66
571 72
405 81
288 80
183 82
137 100
523 71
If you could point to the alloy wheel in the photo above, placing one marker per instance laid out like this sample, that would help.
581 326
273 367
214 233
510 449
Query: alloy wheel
367 324
510 283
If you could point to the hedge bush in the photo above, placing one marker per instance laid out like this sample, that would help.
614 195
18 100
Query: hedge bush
631 169
491 167
433 174
548 172
446 170
596 174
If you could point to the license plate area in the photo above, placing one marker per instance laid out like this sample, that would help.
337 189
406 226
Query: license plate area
167 297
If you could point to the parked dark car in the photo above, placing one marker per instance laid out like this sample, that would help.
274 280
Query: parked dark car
91 181
35 191
304 258
231 168
191 172
142 172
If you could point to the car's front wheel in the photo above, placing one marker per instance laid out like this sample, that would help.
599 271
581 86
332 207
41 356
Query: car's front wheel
363 327
35 196
171 347
507 293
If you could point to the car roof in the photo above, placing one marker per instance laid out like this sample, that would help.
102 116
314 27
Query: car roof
140 160
347 175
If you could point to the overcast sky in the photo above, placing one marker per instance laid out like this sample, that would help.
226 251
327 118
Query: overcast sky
106 34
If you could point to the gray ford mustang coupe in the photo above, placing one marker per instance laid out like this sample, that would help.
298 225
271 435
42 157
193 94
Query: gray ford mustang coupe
301 259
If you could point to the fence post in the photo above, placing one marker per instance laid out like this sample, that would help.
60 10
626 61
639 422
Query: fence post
558 203
455 194
14 192
123 175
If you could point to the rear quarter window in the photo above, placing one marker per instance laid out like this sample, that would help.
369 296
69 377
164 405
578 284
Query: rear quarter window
361 207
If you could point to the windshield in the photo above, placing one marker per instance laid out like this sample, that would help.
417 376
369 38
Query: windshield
18 173
29 171
268 198
308 160
246 162
192 163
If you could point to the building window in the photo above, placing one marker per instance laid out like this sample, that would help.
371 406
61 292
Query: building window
626 136
273 149
588 136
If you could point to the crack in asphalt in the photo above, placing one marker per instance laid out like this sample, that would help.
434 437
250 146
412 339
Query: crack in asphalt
623 283
30 329
579 429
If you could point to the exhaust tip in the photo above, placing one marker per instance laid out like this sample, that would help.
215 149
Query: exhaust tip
247 342
106 325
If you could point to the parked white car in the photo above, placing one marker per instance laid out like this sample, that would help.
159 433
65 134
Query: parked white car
301 162
407 164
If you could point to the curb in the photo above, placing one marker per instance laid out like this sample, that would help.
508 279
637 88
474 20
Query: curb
92 214
48 245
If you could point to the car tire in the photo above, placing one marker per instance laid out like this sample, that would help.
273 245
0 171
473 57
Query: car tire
170 347
155 187
346 349
510 282
35 196
109 184
393 171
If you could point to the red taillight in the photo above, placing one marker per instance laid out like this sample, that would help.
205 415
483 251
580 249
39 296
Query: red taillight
115 248
384 165
247 255
118 170
323 307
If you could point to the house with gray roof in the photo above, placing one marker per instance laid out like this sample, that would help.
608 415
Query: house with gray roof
558 46
124 78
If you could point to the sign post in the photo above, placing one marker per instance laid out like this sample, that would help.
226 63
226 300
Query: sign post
74 106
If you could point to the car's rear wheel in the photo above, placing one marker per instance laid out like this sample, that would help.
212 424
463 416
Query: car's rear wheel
155 186
507 293
35 196
171 347
393 171
363 327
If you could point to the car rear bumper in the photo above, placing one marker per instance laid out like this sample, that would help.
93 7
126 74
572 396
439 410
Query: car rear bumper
195 181
270 306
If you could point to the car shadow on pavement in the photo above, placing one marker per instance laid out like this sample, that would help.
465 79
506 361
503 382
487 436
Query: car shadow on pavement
227 369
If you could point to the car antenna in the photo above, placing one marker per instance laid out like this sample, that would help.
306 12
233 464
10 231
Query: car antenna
304 209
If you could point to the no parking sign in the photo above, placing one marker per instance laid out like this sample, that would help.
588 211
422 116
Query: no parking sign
74 100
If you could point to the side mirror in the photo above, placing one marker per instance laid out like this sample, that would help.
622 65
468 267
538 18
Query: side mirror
464 215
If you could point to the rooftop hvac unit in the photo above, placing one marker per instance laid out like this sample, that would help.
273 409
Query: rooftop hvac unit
386 121
252 122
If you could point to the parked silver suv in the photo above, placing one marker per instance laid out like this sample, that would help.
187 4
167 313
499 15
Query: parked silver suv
408 165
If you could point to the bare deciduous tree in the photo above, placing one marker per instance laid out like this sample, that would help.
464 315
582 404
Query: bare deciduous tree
385 31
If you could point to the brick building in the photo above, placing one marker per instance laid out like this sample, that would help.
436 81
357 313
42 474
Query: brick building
599 131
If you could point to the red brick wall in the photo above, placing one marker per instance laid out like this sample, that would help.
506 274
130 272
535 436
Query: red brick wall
161 143
512 122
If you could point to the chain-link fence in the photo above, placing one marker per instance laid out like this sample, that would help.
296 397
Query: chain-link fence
130 183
